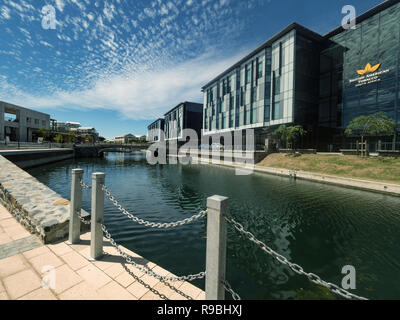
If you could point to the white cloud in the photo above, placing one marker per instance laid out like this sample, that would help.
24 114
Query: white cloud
60 5
5 12
142 96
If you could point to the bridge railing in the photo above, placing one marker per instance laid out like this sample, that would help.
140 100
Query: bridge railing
218 219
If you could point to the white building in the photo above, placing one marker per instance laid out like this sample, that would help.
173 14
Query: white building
21 124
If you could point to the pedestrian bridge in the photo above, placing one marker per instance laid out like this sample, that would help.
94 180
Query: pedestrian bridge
98 150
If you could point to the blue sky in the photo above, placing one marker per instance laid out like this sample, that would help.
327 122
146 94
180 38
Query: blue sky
118 64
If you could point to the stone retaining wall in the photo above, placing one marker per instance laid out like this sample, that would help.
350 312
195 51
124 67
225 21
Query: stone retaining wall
32 158
39 209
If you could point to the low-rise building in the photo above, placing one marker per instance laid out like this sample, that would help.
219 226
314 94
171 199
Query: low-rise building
127 138
21 124
86 133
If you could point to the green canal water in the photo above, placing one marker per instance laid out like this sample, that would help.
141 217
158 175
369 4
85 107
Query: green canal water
320 227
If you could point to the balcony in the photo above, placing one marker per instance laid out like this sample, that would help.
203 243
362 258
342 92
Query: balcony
11 119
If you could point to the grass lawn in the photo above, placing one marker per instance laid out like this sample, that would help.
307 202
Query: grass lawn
376 169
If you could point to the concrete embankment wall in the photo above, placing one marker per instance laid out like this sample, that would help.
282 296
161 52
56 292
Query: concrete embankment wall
367 185
32 158
38 208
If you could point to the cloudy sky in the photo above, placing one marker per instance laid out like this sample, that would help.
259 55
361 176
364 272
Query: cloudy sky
118 64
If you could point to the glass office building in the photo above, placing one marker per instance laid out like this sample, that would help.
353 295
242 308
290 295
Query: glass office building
186 115
155 131
299 77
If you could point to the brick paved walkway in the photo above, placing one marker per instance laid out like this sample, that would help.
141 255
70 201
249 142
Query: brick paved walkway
23 257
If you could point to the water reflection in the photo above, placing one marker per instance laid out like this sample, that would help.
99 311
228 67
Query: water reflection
320 227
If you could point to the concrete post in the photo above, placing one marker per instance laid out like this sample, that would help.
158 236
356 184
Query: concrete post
96 242
217 207
75 206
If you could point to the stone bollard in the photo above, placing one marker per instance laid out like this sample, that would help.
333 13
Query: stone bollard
217 207
96 242
75 206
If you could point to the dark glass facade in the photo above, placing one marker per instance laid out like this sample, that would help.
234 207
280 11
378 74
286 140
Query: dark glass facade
344 93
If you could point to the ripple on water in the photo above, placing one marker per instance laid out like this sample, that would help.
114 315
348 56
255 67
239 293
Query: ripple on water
318 226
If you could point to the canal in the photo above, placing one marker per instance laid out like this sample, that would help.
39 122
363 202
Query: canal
320 227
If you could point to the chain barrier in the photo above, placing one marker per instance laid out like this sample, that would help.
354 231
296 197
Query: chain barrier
295 267
144 284
85 186
83 220
229 289
145 270
152 224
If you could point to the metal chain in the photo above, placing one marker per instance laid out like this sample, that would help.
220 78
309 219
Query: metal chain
152 224
129 259
83 220
295 267
162 296
85 186
229 289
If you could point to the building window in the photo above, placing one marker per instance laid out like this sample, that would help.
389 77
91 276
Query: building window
37 121
277 112
254 115
43 123
259 69
277 84
242 97
253 94
248 74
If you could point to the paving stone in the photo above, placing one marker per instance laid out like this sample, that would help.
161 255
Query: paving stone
36 252
125 279
113 291
190 290
82 291
19 246
149 280
16 232
9 222
4 238
201 296
75 260
47 259
65 278
149 295
12 265
21 283
164 289
114 271
4 296
137 289
59 248
94 276
39 294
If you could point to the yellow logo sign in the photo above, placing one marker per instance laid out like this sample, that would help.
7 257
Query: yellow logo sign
368 69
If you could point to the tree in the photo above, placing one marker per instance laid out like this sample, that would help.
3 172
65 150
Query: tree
71 137
375 125
59 138
43 133
289 135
